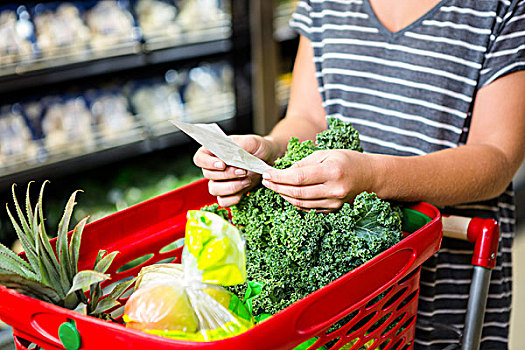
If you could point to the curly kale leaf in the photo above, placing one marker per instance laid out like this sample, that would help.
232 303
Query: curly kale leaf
215 209
295 152
339 135
293 252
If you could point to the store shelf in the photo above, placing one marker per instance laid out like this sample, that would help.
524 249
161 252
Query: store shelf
64 163
41 85
283 12
64 69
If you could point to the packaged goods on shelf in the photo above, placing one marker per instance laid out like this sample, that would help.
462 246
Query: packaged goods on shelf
283 13
60 29
165 23
122 112
156 101
17 33
16 139
67 125
157 18
209 89
110 23
113 120
200 14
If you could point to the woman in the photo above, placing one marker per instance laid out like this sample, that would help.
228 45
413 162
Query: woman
436 90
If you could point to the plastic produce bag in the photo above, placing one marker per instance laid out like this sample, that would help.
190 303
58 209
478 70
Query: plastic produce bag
214 249
187 301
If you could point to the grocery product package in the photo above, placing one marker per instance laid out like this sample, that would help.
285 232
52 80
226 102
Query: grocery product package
60 28
110 23
188 300
17 33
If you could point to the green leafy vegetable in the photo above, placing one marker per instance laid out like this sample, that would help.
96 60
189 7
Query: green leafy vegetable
294 253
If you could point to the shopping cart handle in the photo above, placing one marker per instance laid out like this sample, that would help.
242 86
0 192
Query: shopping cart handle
484 233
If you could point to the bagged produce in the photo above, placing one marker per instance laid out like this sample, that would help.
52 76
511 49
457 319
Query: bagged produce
187 300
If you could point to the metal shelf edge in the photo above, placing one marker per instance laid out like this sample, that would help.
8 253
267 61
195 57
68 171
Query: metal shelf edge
105 156
12 82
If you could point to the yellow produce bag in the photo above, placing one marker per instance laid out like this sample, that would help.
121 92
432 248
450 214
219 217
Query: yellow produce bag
187 301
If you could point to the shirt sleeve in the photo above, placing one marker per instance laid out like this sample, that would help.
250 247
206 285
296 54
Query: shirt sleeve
506 53
301 20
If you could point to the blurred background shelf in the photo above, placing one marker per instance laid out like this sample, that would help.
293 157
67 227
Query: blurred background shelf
104 92
60 70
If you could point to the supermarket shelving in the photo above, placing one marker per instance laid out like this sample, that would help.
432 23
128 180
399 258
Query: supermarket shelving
227 40
47 72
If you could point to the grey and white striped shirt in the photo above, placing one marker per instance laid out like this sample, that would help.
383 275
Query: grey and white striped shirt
411 93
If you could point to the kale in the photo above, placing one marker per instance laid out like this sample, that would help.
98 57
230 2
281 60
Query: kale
215 209
293 252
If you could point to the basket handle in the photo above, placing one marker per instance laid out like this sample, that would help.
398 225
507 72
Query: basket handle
484 233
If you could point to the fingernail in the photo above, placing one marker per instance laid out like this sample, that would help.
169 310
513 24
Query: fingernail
245 182
240 172
266 176
265 183
218 165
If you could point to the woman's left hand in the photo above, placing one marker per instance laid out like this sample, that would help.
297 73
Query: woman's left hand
325 180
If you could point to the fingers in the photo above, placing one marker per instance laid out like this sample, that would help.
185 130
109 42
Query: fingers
230 192
313 192
229 188
307 171
229 173
321 205
295 176
215 169
229 200
207 160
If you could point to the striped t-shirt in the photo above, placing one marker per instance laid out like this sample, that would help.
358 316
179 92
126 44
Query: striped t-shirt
411 93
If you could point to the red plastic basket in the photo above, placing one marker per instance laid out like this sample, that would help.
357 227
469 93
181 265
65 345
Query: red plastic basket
375 303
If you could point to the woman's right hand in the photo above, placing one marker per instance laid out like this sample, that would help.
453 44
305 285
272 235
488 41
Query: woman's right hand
229 183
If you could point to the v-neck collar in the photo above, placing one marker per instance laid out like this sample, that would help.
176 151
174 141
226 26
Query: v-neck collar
391 35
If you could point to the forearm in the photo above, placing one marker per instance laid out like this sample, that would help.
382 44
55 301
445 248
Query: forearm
460 175
305 116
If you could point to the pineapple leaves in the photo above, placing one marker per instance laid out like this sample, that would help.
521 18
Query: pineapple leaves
105 305
66 273
74 245
30 287
29 211
103 264
12 262
111 299
21 217
120 289
28 244
84 279
44 238
52 274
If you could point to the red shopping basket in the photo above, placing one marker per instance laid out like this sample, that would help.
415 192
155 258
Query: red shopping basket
374 304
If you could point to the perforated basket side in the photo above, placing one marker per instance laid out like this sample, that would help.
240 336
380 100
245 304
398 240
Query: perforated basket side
386 321
145 232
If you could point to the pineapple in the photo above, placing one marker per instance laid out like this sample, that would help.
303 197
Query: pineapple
54 277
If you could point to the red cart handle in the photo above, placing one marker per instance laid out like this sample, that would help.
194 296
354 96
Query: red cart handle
484 233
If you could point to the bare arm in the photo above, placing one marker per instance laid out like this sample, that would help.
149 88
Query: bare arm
479 170
305 116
